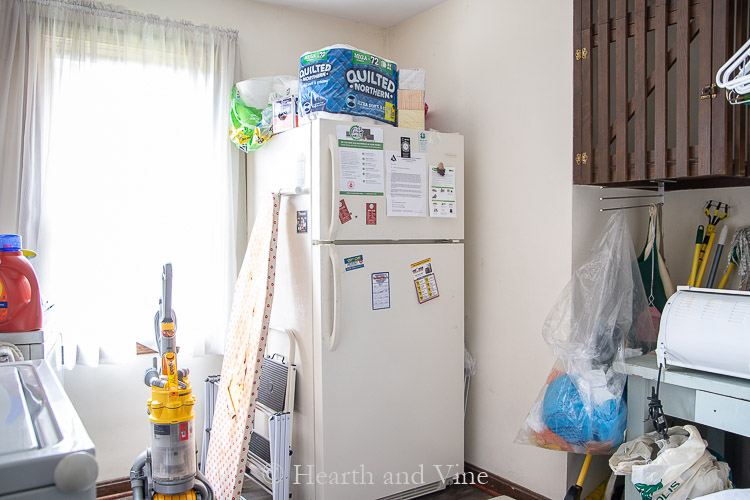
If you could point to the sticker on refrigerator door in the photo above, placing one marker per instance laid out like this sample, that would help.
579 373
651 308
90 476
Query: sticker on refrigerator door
381 291
442 191
344 215
405 147
352 263
424 280
371 218
301 221
360 160
423 142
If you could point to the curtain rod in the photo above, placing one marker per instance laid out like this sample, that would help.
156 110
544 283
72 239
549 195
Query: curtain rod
118 12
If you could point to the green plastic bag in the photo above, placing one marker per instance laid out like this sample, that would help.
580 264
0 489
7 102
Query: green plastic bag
251 116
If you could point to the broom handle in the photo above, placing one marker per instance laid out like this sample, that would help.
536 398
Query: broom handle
584 470
704 262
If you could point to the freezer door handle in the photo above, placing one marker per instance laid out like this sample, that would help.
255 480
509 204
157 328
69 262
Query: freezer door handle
333 338
332 144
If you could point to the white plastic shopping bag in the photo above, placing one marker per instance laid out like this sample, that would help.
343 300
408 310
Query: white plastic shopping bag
679 468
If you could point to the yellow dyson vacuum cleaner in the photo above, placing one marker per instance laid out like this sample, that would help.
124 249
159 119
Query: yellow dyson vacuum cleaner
168 469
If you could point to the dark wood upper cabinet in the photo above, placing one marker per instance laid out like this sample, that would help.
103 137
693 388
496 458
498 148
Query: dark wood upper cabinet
645 103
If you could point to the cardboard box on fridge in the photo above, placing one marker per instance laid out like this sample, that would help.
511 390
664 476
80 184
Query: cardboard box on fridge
411 92
284 114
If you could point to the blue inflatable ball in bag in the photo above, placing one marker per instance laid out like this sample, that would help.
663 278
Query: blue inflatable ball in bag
610 420
563 412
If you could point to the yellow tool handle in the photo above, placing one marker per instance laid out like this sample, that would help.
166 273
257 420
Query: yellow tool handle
725 278
584 470
706 255
696 262
696 256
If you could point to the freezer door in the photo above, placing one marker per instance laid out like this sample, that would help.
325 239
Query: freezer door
342 216
388 370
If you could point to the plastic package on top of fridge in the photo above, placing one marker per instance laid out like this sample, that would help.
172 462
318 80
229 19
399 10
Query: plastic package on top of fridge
341 79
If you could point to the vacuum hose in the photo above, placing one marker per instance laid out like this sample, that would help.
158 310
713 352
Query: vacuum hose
136 476
202 482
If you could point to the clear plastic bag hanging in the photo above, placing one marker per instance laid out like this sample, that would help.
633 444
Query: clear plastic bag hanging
600 313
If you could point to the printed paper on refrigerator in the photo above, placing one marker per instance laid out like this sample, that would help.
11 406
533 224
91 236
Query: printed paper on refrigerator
360 160
442 191
406 185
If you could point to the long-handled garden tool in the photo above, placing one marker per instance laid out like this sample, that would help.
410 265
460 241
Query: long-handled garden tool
574 492
696 256
716 211
717 257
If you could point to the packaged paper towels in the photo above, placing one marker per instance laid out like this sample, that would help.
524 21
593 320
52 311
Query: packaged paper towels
342 79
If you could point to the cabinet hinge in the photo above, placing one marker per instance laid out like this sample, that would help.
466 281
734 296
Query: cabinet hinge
578 159
584 158
581 54
584 53
578 54
708 91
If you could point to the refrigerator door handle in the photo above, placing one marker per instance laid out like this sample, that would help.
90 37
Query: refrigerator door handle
333 338
332 144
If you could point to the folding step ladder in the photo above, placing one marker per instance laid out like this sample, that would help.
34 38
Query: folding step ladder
269 460
270 449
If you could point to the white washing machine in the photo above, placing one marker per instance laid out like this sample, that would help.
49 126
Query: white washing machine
45 451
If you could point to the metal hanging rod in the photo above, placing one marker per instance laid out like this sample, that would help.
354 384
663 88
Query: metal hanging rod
293 192
659 195
629 206
628 197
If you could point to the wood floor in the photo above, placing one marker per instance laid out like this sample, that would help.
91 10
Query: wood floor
459 492
250 491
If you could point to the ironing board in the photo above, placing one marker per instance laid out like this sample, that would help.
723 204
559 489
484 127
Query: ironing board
245 348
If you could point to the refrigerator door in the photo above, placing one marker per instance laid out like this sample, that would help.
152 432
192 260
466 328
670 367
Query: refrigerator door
388 370
412 185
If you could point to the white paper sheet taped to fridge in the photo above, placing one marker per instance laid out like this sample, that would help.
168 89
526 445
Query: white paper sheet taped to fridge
381 291
442 191
406 185
360 160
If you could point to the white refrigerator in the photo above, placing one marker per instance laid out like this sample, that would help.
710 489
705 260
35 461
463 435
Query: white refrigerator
370 277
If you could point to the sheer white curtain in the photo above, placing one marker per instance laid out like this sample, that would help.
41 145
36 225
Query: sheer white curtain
124 164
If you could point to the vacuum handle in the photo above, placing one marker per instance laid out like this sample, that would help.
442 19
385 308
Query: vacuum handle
166 291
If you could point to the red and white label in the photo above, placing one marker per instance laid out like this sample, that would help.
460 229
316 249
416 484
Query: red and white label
184 432
372 214
344 215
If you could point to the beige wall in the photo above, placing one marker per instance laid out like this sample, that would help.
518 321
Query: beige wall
506 83
112 399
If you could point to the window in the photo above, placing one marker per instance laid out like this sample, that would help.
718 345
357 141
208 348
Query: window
130 167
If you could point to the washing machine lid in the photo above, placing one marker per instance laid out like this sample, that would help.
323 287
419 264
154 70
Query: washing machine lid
18 403
38 426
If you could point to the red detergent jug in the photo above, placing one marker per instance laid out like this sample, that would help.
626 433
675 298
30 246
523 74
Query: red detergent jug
20 305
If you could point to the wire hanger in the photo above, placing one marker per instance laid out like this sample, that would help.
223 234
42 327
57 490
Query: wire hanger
734 97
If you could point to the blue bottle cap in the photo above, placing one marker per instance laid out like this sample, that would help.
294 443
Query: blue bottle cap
10 243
